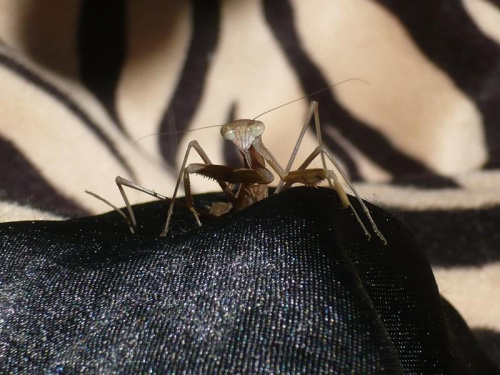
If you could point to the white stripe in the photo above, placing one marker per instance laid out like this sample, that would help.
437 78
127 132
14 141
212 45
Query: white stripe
478 190
474 292
16 212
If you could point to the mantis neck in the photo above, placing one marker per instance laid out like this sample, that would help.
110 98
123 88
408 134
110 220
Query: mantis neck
266 154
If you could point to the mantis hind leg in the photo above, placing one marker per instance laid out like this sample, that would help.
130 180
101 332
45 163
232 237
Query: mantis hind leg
336 184
130 219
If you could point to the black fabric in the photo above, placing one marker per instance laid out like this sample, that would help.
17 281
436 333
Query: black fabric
288 285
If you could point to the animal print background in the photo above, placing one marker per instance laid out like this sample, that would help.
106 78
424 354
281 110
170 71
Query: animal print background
87 88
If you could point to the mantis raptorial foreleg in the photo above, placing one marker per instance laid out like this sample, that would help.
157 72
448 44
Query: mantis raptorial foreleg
184 175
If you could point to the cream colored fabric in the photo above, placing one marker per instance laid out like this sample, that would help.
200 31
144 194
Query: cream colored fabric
402 93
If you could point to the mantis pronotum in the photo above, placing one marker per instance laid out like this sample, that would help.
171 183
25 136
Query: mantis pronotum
254 178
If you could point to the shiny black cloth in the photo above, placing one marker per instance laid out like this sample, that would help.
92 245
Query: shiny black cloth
288 285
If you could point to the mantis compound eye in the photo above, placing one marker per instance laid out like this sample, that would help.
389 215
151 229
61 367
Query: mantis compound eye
257 129
228 133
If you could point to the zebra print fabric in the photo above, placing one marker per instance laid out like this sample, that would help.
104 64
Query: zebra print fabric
92 90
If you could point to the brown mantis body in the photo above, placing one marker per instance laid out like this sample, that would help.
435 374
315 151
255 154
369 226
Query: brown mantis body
254 178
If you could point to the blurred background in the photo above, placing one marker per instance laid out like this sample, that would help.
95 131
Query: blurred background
91 90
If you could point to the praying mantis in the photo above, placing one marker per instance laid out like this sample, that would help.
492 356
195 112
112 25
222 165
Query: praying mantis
254 178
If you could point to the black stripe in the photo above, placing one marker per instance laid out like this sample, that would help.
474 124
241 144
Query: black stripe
471 352
22 183
456 237
102 49
187 95
279 15
445 32
69 104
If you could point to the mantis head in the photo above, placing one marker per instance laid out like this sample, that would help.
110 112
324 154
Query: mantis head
242 132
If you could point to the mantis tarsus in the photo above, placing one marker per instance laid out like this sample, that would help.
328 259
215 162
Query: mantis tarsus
254 177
